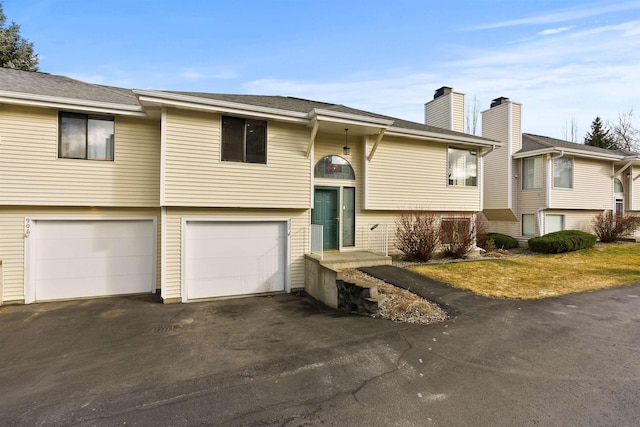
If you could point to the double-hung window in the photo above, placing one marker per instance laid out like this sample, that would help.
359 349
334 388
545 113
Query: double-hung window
563 172
462 167
85 136
531 172
244 140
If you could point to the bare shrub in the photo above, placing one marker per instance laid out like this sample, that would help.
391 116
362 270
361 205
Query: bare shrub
482 227
458 236
609 227
417 234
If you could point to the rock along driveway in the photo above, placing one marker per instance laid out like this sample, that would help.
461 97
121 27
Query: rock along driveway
287 361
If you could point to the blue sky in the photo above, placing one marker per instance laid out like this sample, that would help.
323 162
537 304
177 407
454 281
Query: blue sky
560 59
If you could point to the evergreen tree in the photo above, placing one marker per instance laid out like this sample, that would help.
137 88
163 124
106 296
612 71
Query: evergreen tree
15 51
600 136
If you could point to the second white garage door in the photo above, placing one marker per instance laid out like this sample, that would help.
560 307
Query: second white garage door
234 258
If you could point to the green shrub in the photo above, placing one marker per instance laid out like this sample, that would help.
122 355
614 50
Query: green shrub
562 241
499 241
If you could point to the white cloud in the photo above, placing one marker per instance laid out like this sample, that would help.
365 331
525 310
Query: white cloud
553 31
572 14
577 74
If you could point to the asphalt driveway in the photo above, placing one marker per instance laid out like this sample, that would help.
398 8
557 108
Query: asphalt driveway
286 360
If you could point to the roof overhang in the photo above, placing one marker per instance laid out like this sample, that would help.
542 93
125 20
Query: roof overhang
336 121
576 153
460 140
70 104
152 98
321 120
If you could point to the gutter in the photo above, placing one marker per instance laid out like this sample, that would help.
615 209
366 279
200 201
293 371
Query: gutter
493 147
70 104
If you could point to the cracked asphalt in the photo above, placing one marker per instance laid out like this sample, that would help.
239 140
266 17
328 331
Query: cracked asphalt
287 361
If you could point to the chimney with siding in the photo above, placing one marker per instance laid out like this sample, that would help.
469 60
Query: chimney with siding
502 122
445 110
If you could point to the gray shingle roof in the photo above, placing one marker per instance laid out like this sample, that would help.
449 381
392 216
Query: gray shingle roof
532 142
305 106
43 84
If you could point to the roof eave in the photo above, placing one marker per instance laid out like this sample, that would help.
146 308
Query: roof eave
214 105
32 100
442 137
573 152
348 118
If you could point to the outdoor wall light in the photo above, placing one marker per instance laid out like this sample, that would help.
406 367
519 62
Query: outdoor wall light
346 150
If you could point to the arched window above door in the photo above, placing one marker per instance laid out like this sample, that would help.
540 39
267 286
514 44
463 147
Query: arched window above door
617 186
334 167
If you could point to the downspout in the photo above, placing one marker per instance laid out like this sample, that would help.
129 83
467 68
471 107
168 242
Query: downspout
493 147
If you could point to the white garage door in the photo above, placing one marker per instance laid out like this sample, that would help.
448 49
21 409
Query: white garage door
234 258
88 258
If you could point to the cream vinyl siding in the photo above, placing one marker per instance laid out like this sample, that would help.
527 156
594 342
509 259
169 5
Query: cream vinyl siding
532 199
437 112
592 186
300 221
332 145
496 178
32 174
366 219
12 239
410 174
510 228
632 188
458 112
575 219
195 175
516 127
446 111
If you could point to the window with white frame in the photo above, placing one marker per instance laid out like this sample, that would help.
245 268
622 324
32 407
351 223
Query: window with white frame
244 140
532 172
85 136
617 186
462 167
563 172
528 224
553 223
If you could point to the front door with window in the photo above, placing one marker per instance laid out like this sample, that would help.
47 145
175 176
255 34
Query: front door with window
327 214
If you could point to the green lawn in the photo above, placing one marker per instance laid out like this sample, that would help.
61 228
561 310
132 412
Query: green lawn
542 276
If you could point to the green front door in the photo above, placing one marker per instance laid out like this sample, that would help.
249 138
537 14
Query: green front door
326 213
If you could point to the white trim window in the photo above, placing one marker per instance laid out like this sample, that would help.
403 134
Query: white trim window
563 172
553 223
462 168
532 173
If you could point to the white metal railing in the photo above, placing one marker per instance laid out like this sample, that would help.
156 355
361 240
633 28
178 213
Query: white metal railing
378 238
316 243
